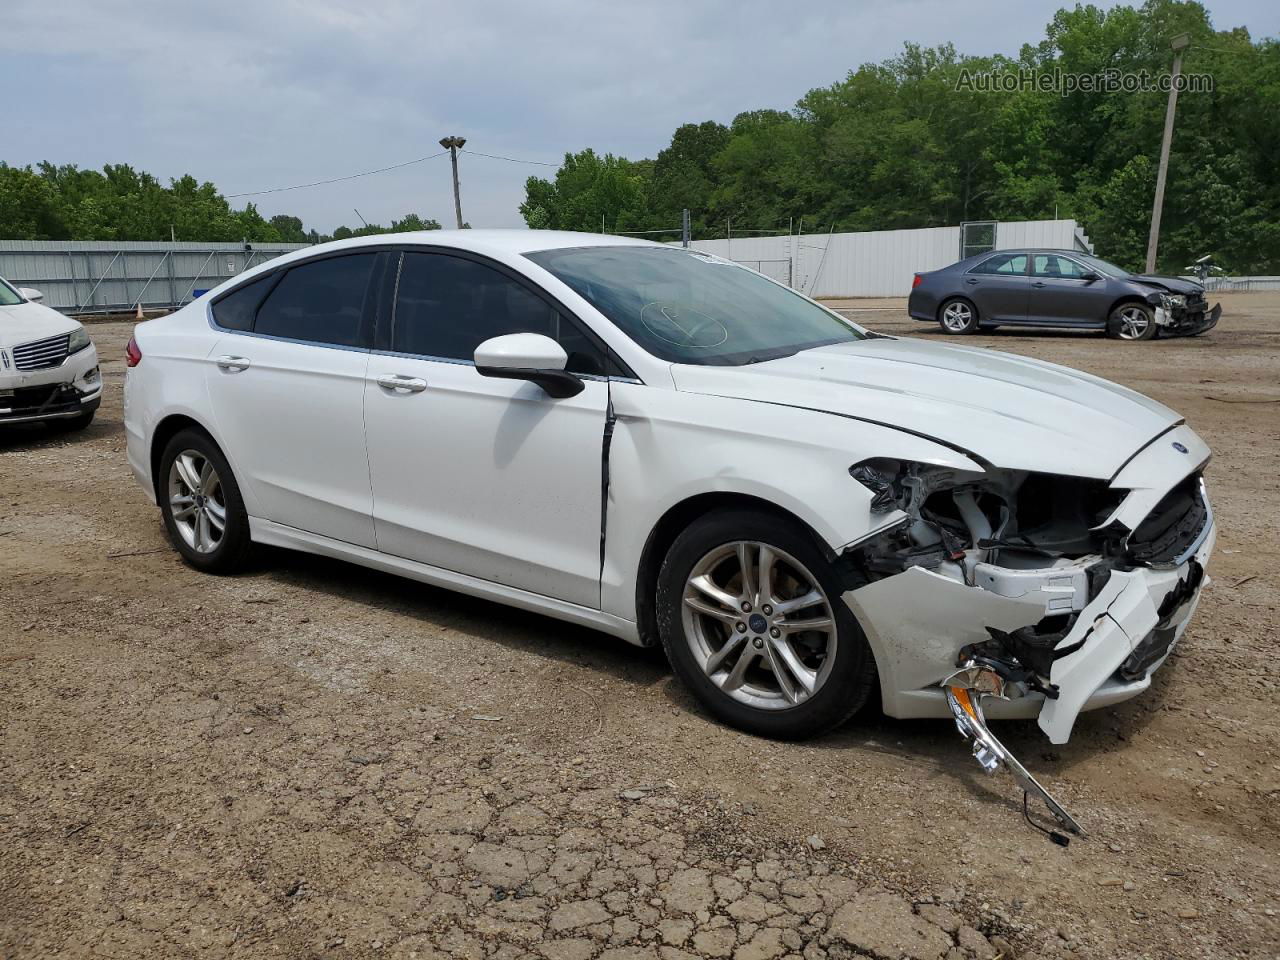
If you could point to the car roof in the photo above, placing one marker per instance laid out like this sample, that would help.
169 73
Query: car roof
497 242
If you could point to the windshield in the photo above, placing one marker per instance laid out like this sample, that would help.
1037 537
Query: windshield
1110 269
8 296
688 307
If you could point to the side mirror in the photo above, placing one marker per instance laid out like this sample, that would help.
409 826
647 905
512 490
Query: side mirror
1090 277
35 296
528 356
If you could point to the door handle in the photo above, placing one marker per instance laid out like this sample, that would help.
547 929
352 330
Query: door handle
233 364
396 381
971 280
1038 283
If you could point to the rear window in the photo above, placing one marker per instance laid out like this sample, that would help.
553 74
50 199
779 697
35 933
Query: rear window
1003 264
320 302
235 311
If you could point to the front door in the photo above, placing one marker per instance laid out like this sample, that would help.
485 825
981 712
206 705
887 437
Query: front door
286 383
486 477
1060 294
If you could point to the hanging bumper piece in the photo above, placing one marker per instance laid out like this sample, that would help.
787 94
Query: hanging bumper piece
965 691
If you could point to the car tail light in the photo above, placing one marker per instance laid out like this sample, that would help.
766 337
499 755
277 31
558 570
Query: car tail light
132 355
916 282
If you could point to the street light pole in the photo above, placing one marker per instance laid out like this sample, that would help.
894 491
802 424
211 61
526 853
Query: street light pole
453 145
1179 43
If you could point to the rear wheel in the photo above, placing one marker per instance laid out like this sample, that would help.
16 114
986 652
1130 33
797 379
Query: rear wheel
751 618
1132 321
201 504
958 316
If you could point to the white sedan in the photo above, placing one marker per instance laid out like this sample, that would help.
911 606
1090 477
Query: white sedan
48 364
674 449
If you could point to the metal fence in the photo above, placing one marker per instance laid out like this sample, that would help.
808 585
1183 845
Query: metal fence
881 263
83 277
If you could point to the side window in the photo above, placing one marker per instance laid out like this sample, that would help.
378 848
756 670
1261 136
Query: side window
1003 264
1051 265
235 311
320 302
447 306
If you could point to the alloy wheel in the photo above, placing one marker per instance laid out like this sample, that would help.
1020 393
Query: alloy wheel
196 501
1133 323
957 317
759 625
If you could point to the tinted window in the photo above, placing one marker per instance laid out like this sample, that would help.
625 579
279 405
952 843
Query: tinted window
447 306
1051 265
1003 264
235 311
320 302
687 307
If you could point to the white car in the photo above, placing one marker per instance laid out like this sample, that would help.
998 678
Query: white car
674 449
48 364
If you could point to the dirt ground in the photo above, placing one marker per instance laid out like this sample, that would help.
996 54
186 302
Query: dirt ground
313 760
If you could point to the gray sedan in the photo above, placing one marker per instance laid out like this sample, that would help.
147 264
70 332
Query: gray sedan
1058 288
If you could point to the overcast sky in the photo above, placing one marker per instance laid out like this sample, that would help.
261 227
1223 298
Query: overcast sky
267 94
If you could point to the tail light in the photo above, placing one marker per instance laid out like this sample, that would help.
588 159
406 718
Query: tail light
132 355
916 282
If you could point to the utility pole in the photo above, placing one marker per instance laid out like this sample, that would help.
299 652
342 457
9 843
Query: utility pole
1179 43
684 228
453 145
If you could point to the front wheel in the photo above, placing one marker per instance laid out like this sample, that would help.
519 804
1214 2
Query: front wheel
752 620
1132 321
201 504
957 317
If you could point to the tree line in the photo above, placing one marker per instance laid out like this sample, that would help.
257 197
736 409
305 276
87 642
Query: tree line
913 141
51 202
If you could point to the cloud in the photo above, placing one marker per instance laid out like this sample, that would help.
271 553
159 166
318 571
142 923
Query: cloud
265 94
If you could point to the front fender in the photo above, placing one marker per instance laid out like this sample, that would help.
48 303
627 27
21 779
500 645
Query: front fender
669 446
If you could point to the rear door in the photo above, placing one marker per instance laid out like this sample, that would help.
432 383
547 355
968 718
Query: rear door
1061 296
286 383
998 287
487 477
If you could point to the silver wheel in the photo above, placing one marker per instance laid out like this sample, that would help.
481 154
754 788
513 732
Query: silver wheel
759 625
1133 323
957 316
196 501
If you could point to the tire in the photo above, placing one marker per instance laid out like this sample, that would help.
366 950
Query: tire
71 424
958 317
1131 321
204 487
706 650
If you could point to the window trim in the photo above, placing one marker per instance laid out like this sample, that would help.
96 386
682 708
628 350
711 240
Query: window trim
383 337
1026 270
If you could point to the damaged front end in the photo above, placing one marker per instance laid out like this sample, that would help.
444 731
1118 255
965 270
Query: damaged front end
1010 594
1183 315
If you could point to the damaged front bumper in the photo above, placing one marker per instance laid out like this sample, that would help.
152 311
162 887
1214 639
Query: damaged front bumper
1188 320
919 621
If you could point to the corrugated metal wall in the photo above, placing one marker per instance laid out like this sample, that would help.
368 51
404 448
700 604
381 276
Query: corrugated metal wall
879 263
104 276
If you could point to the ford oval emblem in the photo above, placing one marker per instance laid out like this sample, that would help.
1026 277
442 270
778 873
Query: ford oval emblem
1179 447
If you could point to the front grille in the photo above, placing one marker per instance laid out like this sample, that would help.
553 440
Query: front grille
42 354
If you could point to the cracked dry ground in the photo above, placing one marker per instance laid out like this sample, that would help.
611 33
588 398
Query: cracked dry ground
312 760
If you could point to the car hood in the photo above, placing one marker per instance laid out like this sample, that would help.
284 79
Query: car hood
1013 412
1172 284
25 322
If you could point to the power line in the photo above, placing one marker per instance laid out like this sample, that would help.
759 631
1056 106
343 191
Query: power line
494 156
320 183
